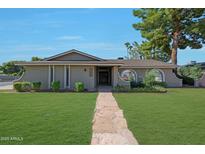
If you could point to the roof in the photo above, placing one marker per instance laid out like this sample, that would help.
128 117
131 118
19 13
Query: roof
149 63
99 62
121 63
72 51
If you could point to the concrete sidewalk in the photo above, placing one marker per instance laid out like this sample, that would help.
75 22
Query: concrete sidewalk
109 124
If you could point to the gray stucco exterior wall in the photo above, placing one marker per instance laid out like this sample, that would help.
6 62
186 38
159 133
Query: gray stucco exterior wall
88 75
36 74
85 74
59 75
169 77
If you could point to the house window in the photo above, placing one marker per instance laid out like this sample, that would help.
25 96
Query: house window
159 75
128 75
91 72
67 77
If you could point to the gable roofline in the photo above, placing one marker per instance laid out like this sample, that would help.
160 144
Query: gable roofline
73 51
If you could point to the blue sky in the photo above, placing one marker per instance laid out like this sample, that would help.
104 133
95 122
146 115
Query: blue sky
45 32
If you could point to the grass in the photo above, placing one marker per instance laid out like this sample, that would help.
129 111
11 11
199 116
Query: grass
176 117
46 118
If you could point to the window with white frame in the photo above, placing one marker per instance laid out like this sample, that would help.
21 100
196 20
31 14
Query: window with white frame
128 75
159 74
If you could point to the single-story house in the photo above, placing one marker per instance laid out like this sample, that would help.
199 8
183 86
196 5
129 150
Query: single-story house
73 66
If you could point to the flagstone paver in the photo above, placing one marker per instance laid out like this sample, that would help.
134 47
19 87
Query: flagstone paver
109 124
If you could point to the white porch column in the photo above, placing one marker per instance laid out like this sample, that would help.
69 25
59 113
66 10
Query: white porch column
69 77
49 77
65 75
115 76
53 73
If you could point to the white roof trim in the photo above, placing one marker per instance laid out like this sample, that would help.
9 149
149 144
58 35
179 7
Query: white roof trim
73 51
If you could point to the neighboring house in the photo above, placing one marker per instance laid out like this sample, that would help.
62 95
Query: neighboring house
72 66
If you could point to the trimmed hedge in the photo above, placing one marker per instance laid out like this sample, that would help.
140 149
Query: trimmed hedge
158 83
55 85
36 86
134 84
22 86
79 87
17 86
154 89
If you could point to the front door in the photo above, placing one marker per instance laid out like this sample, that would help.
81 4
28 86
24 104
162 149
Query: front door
104 76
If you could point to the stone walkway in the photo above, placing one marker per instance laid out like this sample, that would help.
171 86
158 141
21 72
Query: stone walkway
109 124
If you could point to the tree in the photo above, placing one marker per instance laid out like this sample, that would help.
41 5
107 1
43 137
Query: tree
194 72
11 69
36 59
134 51
167 30
1 69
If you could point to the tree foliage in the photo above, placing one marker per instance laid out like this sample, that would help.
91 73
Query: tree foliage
11 69
36 58
166 30
194 72
134 51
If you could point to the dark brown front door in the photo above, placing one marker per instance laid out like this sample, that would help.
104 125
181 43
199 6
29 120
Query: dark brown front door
104 75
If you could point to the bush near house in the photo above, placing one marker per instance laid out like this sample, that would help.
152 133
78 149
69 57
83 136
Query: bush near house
22 86
17 86
190 73
149 81
134 84
149 84
79 87
55 86
154 89
36 86
26 86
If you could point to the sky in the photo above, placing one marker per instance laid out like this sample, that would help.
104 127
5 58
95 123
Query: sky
25 33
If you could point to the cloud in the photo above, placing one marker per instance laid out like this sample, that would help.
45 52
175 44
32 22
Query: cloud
68 38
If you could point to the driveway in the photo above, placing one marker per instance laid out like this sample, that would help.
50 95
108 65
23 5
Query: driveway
6 85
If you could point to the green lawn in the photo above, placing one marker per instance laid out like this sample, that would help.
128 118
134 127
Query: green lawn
46 118
177 117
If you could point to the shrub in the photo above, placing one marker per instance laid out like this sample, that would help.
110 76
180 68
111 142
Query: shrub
133 84
154 89
119 88
55 85
149 79
36 86
139 84
194 72
158 83
17 86
22 86
26 86
160 89
79 87
187 80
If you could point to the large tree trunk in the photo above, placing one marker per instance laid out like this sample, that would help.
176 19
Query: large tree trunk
174 56
174 48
